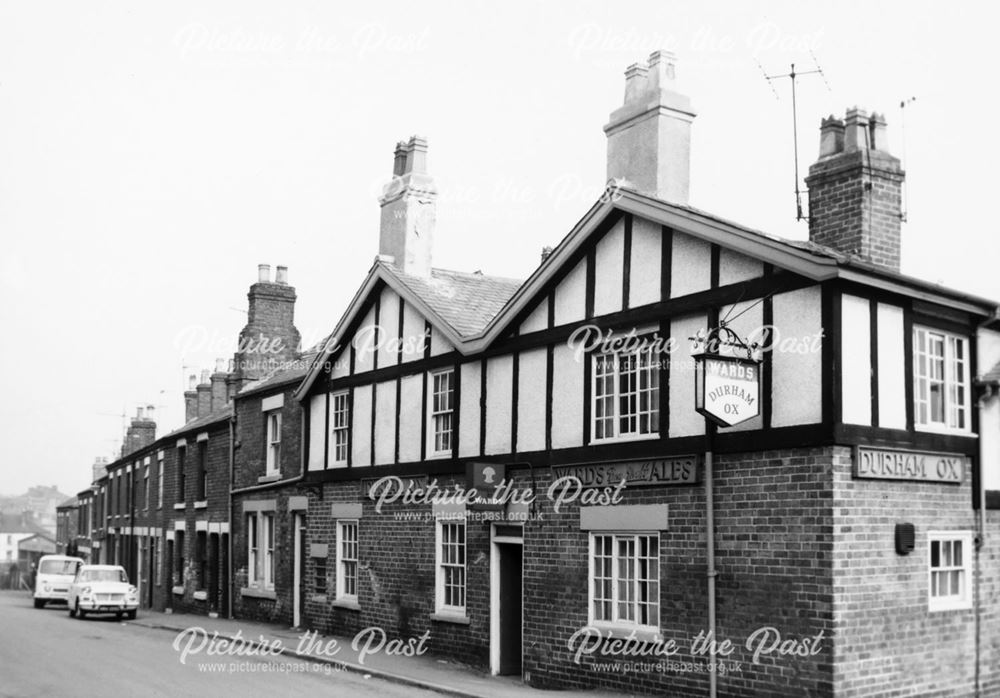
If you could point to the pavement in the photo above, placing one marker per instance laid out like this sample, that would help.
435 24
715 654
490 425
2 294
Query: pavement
425 671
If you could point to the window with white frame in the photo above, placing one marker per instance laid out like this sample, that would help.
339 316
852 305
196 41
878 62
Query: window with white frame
145 487
450 580
159 480
268 533
273 442
625 579
340 419
625 395
949 570
940 380
347 559
253 551
442 411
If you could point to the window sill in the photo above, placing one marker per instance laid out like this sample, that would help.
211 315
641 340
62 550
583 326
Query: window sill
934 429
351 604
258 593
949 606
270 477
625 632
201 596
439 456
451 617
202 504
178 590
624 439
180 506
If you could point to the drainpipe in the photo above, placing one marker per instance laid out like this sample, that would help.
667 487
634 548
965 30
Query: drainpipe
710 544
229 551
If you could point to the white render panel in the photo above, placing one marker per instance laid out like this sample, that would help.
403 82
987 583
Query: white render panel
891 368
364 344
735 267
388 334
538 320
439 345
411 392
385 422
413 334
691 267
571 295
468 423
341 361
609 270
499 391
361 426
684 420
797 376
531 400
317 429
646 263
856 359
567 397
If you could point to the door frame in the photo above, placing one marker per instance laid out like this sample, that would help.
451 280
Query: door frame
495 543
298 541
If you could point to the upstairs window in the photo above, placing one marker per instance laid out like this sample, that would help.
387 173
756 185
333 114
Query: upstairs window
181 479
626 395
940 380
273 442
442 412
202 471
340 424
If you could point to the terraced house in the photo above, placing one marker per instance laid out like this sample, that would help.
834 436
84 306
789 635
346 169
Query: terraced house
844 529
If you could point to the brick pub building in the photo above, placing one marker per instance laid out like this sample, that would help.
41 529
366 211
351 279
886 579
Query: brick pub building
849 514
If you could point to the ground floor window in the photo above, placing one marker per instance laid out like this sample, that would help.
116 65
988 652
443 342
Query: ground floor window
157 557
201 558
260 550
179 558
948 571
347 559
625 579
450 559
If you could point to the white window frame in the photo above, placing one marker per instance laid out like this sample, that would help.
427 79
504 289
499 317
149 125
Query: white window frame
949 381
440 566
145 493
273 433
343 559
440 420
618 584
340 425
159 480
253 549
268 540
943 573
614 359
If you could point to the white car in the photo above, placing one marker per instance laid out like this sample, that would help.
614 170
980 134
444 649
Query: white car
102 589
55 574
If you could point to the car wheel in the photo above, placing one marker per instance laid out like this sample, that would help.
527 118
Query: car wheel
39 603
80 613
72 611
118 616
131 615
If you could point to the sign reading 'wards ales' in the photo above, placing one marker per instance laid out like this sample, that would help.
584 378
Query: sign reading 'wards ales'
678 470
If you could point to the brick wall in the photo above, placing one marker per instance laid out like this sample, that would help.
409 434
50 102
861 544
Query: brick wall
886 637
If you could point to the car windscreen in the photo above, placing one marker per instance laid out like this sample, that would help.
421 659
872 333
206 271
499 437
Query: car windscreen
103 576
57 567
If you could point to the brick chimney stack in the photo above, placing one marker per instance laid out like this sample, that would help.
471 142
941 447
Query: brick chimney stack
649 137
855 202
269 340
220 394
99 469
140 433
408 201
204 393
191 399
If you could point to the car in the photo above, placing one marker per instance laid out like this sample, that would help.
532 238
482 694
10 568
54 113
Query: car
55 574
102 589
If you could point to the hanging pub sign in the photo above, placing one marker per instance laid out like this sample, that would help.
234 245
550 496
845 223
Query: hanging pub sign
726 388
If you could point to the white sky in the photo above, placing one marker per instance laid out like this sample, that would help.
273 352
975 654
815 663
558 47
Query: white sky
152 156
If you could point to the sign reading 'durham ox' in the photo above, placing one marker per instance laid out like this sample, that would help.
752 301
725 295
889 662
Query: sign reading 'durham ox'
727 388
890 464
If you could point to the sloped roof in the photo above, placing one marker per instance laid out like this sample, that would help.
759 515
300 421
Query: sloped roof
466 301
991 376
69 503
209 419
283 376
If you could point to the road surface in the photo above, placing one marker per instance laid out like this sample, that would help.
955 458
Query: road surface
47 653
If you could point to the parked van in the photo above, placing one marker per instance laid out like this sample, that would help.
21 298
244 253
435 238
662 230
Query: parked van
54 575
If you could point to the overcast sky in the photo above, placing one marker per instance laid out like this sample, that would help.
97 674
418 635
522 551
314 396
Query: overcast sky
152 156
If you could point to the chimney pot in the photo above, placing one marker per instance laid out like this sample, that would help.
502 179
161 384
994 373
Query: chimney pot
192 382
856 130
264 273
220 365
408 202
878 131
281 275
831 136
138 413
204 376
546 253
635 81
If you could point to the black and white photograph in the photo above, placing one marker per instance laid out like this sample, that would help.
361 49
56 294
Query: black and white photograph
500 350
